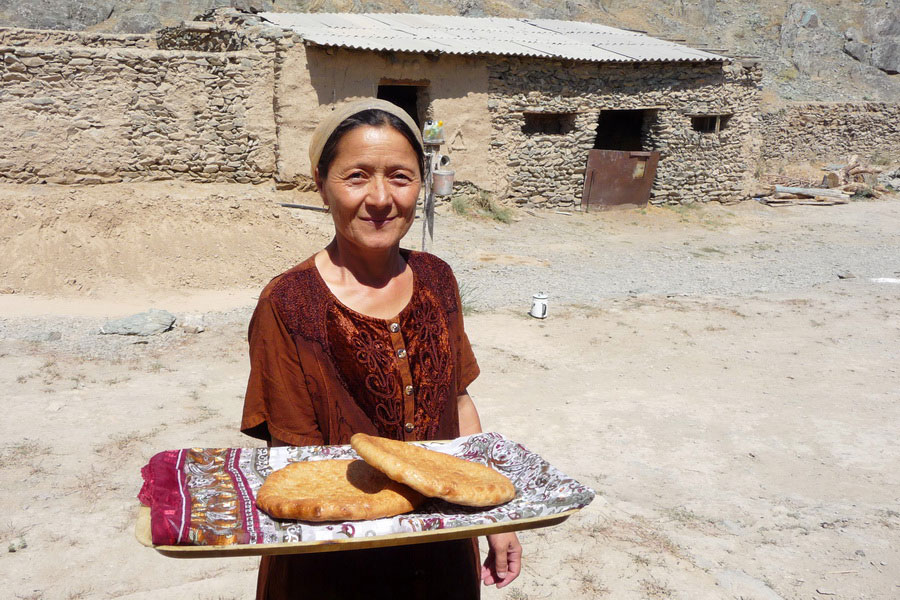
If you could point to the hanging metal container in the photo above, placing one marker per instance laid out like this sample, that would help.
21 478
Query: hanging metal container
443 182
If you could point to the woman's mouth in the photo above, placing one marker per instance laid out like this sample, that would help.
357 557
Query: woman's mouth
378 221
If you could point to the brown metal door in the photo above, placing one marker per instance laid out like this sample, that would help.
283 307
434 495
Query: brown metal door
613 178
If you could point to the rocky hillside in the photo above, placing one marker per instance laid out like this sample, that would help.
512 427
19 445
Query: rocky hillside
812 50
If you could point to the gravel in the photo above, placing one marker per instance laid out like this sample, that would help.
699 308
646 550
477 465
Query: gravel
585 260
719 251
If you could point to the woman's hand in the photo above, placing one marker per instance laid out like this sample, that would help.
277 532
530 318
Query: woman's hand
504 560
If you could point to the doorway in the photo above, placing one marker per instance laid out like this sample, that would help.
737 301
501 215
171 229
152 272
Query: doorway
624 130
621 168
411 97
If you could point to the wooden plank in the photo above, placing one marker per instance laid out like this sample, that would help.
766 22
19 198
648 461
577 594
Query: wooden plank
810 191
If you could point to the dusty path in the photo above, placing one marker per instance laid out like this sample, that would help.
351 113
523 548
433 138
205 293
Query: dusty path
742 436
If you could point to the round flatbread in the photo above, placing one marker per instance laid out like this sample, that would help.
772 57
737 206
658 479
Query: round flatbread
334 490
435 474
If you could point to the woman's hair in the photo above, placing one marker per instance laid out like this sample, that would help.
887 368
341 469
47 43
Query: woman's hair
373 117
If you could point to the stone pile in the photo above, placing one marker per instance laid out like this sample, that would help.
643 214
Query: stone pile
547 169
832 131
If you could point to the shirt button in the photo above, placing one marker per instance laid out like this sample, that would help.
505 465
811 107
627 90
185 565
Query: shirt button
401 353
395 327
409 427
408 390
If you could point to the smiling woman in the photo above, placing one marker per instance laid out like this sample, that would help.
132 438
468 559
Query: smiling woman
371 188
366 337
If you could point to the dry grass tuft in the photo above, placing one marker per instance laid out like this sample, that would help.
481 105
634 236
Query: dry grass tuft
655 590
639 532
125 442
25 451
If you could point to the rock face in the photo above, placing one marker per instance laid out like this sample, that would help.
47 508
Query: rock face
878 44
56 14
146 323
886 56
805 40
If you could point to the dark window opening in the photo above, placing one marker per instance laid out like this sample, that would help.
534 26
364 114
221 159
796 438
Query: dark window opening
709 123
537 123
623 130
408 97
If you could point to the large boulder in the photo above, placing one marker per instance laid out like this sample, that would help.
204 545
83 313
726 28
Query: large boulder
858 50
146 323
806 40
886 56
879 42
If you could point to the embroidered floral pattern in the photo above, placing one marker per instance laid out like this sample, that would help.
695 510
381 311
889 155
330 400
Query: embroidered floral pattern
361 351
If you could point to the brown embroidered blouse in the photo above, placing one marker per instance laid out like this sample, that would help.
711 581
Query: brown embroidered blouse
320 372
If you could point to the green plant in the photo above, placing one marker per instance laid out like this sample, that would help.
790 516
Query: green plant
460 205
487 206
480 202
788 74
467 295
863 193
882 159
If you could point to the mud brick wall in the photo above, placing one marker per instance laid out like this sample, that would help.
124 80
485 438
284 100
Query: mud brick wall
548 169
832 132
82 114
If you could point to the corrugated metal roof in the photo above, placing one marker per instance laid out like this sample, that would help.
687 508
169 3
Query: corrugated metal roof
545 38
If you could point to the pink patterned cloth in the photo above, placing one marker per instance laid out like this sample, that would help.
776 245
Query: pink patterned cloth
163 491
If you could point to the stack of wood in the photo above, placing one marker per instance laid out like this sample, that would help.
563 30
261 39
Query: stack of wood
838 186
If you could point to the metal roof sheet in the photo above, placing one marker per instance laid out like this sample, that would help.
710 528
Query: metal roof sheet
545 38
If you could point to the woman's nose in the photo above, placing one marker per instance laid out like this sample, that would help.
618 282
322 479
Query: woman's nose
379 192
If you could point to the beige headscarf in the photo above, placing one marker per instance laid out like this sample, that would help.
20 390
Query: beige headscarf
337 116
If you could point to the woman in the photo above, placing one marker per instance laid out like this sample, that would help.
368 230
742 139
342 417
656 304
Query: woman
367 337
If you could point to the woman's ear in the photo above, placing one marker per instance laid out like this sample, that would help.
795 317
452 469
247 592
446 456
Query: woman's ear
319 185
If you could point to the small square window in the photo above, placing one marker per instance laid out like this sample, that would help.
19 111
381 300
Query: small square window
548 123
709 123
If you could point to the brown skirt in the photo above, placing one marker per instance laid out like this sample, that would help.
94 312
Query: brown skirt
437 571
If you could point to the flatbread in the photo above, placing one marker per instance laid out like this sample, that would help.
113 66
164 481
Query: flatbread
334 490
435 474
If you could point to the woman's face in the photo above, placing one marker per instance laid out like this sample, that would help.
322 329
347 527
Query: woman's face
371 188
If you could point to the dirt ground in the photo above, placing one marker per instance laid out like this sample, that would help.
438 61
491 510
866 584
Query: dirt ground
743 443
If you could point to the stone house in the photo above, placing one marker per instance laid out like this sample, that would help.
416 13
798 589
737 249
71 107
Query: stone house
526 102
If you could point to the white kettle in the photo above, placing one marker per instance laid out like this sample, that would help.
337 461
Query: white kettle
539 306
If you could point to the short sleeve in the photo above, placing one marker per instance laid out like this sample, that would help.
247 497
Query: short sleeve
467 365
277 403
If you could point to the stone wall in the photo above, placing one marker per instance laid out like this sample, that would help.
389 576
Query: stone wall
831 132
39 37
548 169
97 114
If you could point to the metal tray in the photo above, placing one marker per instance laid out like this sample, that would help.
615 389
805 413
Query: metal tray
142 532
206 504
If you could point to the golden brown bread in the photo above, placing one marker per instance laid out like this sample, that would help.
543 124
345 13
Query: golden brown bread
334 490
435 474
